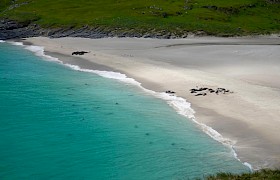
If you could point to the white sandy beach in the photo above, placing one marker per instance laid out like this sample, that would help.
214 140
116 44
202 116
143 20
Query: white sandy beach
250 67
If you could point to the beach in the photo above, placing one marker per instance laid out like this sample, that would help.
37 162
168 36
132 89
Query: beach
247 118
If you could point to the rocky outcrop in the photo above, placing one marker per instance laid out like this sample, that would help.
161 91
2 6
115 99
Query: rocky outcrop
13 30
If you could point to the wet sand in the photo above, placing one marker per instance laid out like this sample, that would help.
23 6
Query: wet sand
249 67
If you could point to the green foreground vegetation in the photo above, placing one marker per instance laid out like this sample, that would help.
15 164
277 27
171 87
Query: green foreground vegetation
214 17
263 175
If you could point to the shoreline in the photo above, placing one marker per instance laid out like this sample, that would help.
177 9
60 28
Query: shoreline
179 104
149 73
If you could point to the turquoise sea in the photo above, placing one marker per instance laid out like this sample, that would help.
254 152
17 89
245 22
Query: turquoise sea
59 123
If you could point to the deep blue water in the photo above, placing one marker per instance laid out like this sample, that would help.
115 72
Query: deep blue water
57 123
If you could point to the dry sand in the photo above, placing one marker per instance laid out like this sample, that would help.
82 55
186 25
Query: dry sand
250 67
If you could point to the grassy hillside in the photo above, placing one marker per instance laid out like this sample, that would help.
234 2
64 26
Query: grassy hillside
217 17
263 174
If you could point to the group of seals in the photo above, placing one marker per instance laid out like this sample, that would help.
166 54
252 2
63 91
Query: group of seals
203 91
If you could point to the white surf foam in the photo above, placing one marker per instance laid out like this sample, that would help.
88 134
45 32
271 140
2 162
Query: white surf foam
39 51
16 43
1 41
178 103
107 74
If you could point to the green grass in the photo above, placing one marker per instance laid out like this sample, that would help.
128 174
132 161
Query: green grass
258 175
215 17
4 4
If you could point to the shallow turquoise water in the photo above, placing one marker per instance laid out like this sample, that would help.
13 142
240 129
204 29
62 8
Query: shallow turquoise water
57 123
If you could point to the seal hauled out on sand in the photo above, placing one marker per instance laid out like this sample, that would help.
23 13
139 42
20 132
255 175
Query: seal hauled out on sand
79 52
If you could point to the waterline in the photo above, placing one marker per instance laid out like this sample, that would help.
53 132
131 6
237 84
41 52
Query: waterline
181 106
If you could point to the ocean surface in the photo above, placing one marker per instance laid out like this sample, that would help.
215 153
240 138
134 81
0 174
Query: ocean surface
57 122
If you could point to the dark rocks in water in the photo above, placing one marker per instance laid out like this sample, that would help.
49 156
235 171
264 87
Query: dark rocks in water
116 103
173 144
79 52
147 134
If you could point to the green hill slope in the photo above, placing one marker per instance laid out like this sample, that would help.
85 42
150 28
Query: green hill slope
264 174
215 17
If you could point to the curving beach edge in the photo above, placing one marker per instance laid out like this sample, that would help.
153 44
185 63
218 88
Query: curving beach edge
249 68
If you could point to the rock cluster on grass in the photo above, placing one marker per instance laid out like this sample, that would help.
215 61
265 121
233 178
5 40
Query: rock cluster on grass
203 91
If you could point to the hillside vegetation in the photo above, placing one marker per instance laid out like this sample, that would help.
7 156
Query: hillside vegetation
214 17
258 175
